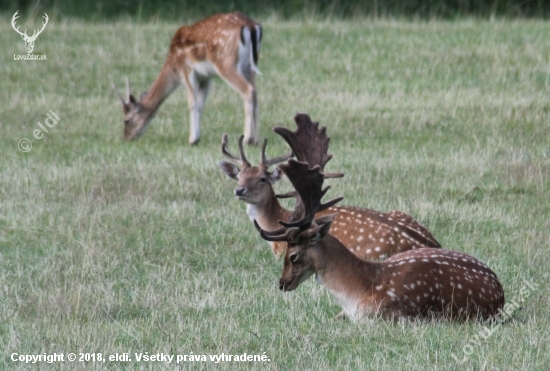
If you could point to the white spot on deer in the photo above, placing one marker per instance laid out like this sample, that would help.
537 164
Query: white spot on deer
377 248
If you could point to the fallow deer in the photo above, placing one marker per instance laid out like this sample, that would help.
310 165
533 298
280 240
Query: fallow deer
426 282
225 45
367 233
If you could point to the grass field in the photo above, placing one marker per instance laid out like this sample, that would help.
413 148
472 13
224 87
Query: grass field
114 247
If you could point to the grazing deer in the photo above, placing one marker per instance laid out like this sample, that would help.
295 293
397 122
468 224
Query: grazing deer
225 45
368 234
426 282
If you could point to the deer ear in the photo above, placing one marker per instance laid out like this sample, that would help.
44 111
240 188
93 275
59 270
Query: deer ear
321 229
275 176
231 170
132 102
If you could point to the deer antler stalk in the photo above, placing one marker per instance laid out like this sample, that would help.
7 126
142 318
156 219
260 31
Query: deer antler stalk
118 93
225 151
128 92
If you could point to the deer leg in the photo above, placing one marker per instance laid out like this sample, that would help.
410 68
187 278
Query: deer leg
244 84
197 91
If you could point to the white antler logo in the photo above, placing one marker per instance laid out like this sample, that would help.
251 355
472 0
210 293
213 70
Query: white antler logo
29 40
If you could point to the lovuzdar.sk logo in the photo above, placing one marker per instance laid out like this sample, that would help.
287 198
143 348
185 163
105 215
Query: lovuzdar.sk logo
29 40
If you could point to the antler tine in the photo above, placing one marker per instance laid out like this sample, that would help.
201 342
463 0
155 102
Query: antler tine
241 151
333 175
128 93
118 93
281 234
275 160
242 160
288 195
225 151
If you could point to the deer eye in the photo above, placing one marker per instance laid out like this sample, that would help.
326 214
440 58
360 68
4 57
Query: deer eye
293 258
263 179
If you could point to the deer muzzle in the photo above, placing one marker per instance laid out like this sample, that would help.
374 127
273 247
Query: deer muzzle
240 191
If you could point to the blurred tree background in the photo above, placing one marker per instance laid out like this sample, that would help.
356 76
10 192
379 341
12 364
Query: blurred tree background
185 9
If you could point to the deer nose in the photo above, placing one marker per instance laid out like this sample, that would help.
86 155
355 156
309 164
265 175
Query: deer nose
239 191
281 285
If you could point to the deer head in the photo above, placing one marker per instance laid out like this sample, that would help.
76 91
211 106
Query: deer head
136 115
29 40
303 232
253 182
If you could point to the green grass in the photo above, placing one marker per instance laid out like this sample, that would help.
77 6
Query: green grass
108 246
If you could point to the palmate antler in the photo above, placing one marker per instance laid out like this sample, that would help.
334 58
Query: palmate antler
309 143
308 184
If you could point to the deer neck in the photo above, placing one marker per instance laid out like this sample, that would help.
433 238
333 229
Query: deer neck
346 276
166 82
268 212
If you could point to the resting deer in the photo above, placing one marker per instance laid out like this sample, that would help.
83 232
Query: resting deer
426 282
368 234
225 45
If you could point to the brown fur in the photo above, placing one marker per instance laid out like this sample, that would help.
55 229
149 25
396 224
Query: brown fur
197 53
417 284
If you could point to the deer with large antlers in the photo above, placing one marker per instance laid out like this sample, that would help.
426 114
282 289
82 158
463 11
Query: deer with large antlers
224 45
368 234
426 282
29 40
